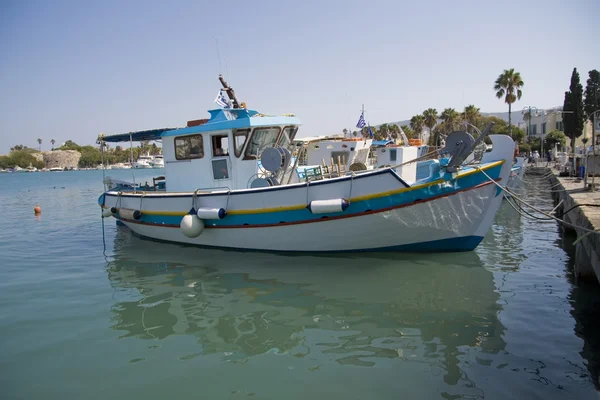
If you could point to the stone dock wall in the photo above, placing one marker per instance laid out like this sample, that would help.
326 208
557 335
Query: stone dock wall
572 193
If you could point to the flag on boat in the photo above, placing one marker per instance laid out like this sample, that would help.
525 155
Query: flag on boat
370 132
221 100
361 121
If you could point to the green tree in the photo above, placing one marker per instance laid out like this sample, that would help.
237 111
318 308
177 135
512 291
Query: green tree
451 120
554 137
518 134
417 123
472 115
536 144
508 85
69 145
592 95
524 148
52 141
431 116
20 158
394 131
410 134
573 119
40 143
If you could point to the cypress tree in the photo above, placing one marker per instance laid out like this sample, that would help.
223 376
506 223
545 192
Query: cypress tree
573 120
592 94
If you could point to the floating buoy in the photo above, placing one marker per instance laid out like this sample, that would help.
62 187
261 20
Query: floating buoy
328 206
37 209
211 213
190 225
106 212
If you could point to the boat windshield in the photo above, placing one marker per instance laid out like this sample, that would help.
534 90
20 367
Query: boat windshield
260 139
287 136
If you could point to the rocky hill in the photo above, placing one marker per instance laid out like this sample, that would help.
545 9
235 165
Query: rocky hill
59 158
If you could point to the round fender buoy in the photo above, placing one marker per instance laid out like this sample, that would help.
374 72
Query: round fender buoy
191 226
37 209
106 212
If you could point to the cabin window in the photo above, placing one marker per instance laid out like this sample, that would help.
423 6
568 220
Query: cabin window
188 147
392 154
220 145
340 156
239 137
220 170
287 136
261 139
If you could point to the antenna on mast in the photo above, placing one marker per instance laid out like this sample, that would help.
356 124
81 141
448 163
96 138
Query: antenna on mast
230 92
219 55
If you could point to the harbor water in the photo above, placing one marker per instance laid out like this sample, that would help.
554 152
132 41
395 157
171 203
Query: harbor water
90 311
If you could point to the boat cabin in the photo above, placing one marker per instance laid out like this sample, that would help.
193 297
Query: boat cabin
221 152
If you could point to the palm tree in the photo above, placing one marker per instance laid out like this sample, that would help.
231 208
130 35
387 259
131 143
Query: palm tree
451 119
508 85
40 143
410 134
431 117
471 115
52 141
417 123
394 130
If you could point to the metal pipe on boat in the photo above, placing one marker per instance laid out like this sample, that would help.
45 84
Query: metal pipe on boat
190 225
211 213
328 206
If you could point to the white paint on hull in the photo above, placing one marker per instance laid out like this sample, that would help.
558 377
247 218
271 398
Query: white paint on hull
460 215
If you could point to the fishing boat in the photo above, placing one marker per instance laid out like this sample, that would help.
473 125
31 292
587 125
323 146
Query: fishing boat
517 172
214 195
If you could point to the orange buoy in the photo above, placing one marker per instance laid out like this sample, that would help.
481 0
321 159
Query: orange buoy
37 209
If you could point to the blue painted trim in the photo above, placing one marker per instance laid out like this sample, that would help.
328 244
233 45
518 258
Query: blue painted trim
453 245
357 207
223 119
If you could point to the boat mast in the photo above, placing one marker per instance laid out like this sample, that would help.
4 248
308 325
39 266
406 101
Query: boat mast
229 91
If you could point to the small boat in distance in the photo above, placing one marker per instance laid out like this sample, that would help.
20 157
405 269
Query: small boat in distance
143 161
228 184
157 161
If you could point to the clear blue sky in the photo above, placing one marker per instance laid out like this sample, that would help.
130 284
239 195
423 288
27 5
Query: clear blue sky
73 69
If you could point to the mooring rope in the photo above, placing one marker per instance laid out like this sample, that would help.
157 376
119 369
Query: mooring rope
589 231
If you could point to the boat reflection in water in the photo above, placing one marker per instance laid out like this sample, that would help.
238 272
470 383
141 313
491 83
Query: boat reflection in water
353 310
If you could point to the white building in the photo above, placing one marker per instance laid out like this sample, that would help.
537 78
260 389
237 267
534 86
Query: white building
545 121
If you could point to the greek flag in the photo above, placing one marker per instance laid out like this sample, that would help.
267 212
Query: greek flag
361 122
370 132
220 100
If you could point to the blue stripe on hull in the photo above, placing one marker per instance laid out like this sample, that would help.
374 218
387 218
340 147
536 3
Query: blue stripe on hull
466 243
444 189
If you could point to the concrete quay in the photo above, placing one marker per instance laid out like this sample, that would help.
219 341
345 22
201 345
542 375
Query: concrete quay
572 193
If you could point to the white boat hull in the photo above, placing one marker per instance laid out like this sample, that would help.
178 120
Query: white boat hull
431 226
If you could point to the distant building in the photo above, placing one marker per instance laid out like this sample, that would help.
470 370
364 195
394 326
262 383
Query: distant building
545 121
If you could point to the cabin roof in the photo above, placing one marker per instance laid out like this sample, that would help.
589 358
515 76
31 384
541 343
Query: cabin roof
152 134
220 119
382 142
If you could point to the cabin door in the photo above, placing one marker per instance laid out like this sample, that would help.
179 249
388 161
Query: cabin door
221 162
